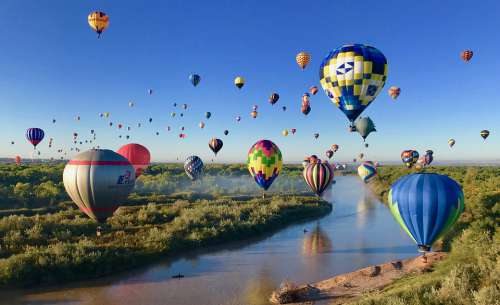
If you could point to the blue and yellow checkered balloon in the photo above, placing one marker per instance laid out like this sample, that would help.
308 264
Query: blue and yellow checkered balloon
352 77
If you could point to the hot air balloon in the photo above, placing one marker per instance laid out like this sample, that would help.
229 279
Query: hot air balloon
253 114
335 147
274 98
157 133
329 154
264 162
305 109
283 108
318 176
120 126
366 171
131 104
303 59
208 114
150 120
215 145
361 156
193 166
466 55
184 106
314 159
285 132
194 79
77 118
98 180
182 135
365 126
106 114
352 77
484 133
238 118
313 90
202 125
172 114
34 136
255 107
98 21
226 132
294 130
428 157
53 121
239 82
426 205
451 142
137 155
306 99
394 92
316 135
150 91
409 157
18 160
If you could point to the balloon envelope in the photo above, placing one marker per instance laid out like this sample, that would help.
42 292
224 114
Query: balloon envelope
364 126
264 162
193 166
426 205
215 145
137 155
366 171
352 77
194 79
97 180
35 135
318 176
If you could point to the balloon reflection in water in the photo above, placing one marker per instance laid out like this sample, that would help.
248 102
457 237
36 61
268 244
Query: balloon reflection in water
316 242
365 209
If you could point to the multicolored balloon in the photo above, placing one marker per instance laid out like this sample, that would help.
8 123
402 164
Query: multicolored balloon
466 55
318 176
98 21
367 171
293 130
98 180
137 155
335 147
215 145
409 157
239 82
254 114
303 59
352 77
274 98
264 162
484 133
426 205
35 136
451 142
394 92
193 166
429 157
329 154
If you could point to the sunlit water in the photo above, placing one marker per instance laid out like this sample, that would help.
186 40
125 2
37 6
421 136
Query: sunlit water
359 232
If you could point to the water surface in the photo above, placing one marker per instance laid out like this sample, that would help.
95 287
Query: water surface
359 232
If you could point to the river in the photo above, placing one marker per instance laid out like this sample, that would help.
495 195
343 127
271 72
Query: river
359 232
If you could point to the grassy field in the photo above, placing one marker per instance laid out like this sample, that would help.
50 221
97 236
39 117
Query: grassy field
471 273
45 239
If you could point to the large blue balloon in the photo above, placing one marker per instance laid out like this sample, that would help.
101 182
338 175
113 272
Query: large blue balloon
426 205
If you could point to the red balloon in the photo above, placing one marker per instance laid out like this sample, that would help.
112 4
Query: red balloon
137 155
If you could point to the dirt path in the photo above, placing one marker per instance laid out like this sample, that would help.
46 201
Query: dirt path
347 286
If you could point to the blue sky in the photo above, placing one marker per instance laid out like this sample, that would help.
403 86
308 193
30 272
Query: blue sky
53 66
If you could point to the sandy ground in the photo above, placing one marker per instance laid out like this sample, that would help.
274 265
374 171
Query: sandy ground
345 287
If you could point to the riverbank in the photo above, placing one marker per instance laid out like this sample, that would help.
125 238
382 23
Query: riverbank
63 246
350 286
